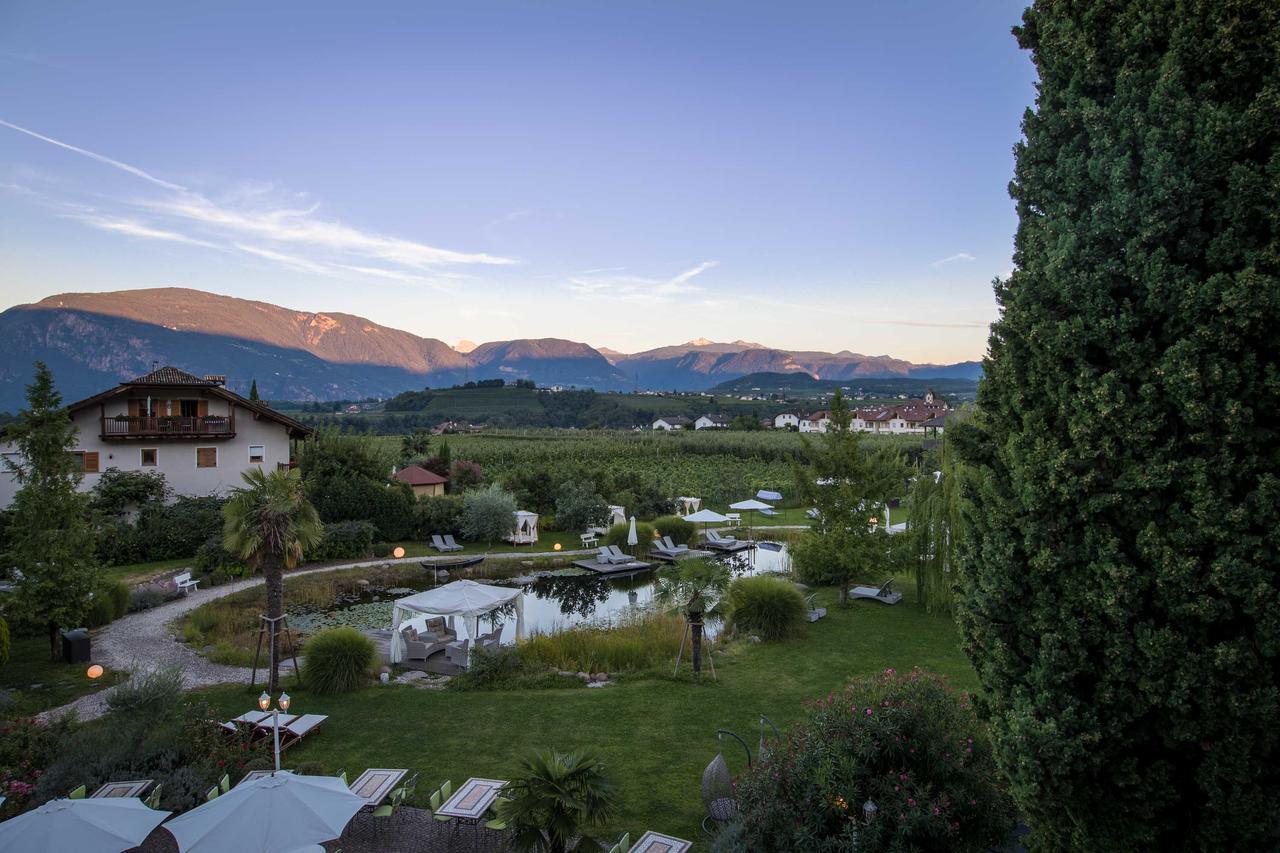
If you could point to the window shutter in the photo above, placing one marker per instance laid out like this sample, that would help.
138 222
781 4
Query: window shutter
135 408
202 409
91 462
206 457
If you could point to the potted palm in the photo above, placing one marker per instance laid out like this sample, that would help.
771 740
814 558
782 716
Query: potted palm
554 799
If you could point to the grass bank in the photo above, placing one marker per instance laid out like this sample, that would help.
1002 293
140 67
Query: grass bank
655 736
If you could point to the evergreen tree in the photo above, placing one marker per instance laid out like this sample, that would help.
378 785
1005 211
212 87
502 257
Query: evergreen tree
1121 594
253 390
849 484
52 543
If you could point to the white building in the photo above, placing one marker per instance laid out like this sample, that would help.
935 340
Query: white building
672 422
194 431
915 416
816 422
786 420
711 422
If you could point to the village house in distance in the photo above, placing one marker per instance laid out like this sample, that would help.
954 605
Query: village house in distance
926 415
193 430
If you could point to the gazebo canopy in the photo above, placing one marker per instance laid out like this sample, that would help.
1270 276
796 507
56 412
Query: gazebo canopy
464 598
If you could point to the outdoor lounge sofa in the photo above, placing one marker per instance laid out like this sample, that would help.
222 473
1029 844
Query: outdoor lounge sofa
458 653
884 594
440 545
422 645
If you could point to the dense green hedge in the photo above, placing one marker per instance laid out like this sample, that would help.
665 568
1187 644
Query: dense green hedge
438 516
345 540
681 532
161 531
390 508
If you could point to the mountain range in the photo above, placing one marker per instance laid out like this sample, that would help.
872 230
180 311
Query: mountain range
94 340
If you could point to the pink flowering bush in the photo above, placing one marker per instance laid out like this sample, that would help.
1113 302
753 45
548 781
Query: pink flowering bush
908 744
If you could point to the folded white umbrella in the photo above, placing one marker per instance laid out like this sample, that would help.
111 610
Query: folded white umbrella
102 825
272 814
632 539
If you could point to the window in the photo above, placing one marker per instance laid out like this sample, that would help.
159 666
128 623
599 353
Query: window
206 457
189 408
88 460
149 456
257 453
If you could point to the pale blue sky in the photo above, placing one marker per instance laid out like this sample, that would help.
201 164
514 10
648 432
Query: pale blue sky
806 175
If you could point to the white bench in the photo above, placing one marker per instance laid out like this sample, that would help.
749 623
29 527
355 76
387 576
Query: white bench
184 583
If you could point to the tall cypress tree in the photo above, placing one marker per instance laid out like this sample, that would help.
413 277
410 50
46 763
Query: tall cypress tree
1121 600
51 544
253 390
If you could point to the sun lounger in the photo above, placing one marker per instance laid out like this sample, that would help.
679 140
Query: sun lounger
440 545
450 544
715 538
607 556
769 513
299 728
883 594
812 513
666 540
661 549
619 556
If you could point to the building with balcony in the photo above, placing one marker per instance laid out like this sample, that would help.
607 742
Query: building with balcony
193 430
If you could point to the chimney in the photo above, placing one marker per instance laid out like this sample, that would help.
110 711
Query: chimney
215 378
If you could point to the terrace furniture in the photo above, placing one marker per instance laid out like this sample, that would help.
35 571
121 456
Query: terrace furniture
769 513
471 802
77 793
606 555
623 845
666 551
666 540
211 794
656 842
884 593
442 546
388 811
733 516
254 774
619 556
184 583
225 783
491 640
716 538
299 728
421 646
374 784
153 801
251 719
589 540
450 544
717 794
132 788
458 653
814 613
813 513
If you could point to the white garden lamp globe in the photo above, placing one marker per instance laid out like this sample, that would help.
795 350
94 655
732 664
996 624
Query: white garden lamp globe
264 701
284 702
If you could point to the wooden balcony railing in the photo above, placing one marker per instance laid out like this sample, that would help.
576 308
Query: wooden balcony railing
169 426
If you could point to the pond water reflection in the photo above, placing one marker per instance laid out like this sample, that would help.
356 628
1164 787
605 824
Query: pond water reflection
551 603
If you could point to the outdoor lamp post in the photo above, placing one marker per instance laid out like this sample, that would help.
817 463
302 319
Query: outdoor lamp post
869 809
264 702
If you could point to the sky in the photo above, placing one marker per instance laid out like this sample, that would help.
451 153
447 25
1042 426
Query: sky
818 176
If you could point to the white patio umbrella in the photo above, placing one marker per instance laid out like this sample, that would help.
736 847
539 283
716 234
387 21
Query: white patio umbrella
751 505
766 495
705 517
632 539
273 814
101 825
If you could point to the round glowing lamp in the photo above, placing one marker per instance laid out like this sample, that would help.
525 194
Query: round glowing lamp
555 547
398 552
284 701
94 671
264 701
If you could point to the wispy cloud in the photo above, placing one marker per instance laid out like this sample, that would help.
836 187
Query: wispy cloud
638 290
952 259
250 219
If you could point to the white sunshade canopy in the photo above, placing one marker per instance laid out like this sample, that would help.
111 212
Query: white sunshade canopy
101 825
751 503
272 814
464 598
766 495
707 516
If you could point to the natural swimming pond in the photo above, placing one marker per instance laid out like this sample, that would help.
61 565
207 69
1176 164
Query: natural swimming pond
553 600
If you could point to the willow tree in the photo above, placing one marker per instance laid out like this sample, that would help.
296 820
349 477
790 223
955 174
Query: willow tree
935 517
270 524
1122 601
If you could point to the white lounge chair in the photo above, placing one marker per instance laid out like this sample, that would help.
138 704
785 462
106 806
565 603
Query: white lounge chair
666 540
450 544
440 545
663 549
884 593
619 556
607 556
715 538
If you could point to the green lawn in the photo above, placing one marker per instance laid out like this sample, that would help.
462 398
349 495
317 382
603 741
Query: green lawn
136 573
655 736
36 683
547 541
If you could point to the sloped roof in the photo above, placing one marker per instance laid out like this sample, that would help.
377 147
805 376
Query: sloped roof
416 475
674 419
170 376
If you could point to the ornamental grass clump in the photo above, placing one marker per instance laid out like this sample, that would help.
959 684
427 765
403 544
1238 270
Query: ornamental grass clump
892 762
769 607
337 661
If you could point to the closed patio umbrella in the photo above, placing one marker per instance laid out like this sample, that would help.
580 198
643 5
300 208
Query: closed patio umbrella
632 539
273 814
99 825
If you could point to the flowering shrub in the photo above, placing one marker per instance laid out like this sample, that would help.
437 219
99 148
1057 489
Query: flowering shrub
906 743
26 746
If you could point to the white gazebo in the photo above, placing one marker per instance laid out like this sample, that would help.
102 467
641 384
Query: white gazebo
526 530
688 506
466 599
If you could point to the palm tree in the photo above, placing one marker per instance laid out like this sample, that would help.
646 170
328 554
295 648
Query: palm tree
270 524
553 799
694 587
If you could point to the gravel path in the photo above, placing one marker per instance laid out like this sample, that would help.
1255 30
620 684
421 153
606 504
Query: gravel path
146 639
